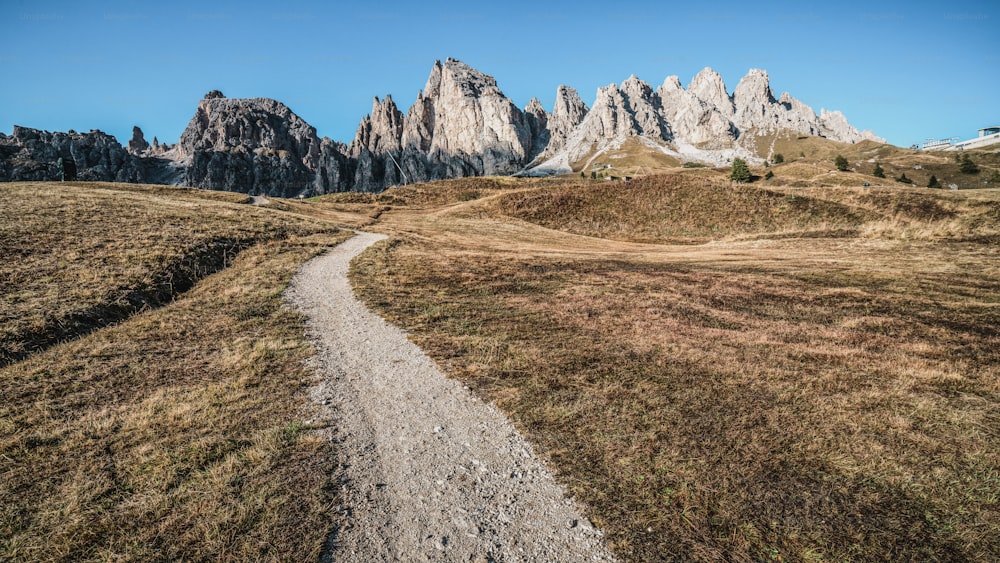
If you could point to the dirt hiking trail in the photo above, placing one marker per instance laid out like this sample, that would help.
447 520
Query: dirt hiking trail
431 472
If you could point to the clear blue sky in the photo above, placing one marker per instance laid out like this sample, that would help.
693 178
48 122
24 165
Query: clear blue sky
907 70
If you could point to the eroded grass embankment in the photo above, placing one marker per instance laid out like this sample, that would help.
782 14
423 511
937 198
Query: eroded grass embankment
178 432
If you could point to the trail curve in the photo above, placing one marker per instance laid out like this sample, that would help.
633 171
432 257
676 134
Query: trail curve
431 472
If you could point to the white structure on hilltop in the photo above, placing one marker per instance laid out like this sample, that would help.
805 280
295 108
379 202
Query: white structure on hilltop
987 136
938 144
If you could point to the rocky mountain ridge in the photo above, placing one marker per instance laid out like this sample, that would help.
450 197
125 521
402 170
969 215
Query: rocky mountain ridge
703 122
33 155
461 124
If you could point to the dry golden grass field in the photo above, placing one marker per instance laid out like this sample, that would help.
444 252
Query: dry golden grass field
143 423
812 376
799 369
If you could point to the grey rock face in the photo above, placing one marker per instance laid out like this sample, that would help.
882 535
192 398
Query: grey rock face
461 124
645 108
334 168
467 124
538 123
833 124
630 110
568 112
693 119
377 148
137 145
34 155
252 145
757 109
708 87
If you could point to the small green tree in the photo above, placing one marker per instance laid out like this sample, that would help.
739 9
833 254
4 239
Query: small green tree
582 175
741 172
593 175
779 158
933 183
769 175
841 163
903 179
878 172
967 166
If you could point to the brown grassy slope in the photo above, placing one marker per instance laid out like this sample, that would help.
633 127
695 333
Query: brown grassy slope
687 207
796 399
79 256
809 162
698 206
632 158
176 434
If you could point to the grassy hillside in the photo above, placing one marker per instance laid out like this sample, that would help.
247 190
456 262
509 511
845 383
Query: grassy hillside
808 162
81 256
170 427
633 157
690 207
786 397
703 206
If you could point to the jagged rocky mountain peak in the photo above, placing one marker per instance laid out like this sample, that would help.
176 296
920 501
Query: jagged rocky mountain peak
467 81
223 123
569 104
709 87
633 87
460 124
672 83
754 87
137 145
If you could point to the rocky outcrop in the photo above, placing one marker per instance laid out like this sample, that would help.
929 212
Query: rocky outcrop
254 145
335 169
137 145
646 109
758 111
630 110
464 125
461 124
695 120
538 124
708 87
834 125
376 148
34 155
568 112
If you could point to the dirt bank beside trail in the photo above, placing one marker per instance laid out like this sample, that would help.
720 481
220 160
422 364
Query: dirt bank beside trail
431 473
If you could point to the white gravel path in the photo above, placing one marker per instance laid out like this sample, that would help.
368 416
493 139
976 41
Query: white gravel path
432 473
